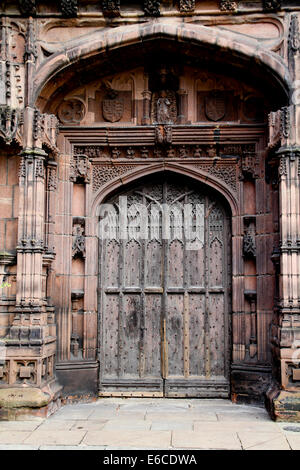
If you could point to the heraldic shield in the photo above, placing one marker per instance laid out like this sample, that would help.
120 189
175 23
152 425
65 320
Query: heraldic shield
215 106
113 109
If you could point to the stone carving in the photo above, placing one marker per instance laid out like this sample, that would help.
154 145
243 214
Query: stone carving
294 34
274 128
111 8
104 173
152 7
25 372
52 178
187 6
164 107
226 173
80 169
272 5
112 107
249 246
9 121
39 170
78 247
71 111
164 136
27 7
227 5
285 121
30 46
69 8
249 164
215 106
4 371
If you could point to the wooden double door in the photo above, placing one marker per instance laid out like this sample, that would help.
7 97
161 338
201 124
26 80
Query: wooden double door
164 284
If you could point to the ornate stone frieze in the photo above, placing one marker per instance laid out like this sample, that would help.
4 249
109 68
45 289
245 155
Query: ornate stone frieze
69 8
80 169
107 172
226 173
228 5
27 7
111 8
294 34
168 151
152 7
187 6
30 245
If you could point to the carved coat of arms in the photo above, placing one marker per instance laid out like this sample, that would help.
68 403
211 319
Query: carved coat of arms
215 106
113 108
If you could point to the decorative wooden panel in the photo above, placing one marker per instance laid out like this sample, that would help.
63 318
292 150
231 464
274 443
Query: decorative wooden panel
164 306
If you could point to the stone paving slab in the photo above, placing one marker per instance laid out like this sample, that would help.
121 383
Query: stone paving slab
51 437
263 441
13 437
172 425
236 426
18 447
152 424
206 440
130 425
130 439
92 425
58 425
19 425
294 441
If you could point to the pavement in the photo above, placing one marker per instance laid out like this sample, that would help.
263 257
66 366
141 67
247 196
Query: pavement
129 424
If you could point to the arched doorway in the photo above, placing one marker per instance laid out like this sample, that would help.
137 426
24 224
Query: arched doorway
164 288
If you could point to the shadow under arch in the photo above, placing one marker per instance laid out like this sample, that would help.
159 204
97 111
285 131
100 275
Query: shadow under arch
104 51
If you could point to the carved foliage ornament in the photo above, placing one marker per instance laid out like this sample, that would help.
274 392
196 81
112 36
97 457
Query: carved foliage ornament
69 8
227 5
80 169
152 7
9 120
187 6
294 34
285 121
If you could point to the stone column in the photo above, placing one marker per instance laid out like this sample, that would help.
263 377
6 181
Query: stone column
285 396
31 342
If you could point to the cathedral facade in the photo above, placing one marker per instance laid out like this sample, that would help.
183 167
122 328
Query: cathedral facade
149 202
